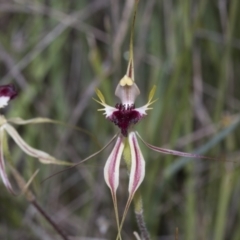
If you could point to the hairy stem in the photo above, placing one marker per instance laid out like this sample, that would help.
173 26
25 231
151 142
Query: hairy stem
142 226
138 209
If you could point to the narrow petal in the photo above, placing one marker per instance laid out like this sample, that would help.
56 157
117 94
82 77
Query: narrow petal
84 160
111 169
173 152
137 171
108 110
3 173
142 110
24 187
42 156
152 93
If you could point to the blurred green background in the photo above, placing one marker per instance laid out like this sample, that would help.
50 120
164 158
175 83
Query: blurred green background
57 52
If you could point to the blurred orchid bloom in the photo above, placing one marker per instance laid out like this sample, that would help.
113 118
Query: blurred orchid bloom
8 92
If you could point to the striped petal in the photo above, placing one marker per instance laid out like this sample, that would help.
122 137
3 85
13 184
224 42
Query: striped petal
111 169
3 173
111 173
137 171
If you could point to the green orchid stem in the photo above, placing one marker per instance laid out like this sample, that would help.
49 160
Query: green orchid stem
138 209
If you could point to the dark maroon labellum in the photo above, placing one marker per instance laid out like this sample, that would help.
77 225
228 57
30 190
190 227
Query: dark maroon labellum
8 91
124 117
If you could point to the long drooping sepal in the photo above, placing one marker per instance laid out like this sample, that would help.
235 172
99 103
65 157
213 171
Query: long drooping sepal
3 173
136 171
111 173
42 156
39 120
173 152
84 160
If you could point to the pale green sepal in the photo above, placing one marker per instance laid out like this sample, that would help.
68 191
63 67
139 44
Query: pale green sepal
41 155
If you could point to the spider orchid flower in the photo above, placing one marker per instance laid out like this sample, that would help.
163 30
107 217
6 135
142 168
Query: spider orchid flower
125 115
7 93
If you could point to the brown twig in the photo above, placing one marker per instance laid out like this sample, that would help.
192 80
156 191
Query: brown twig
176 233
49 219
32 199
